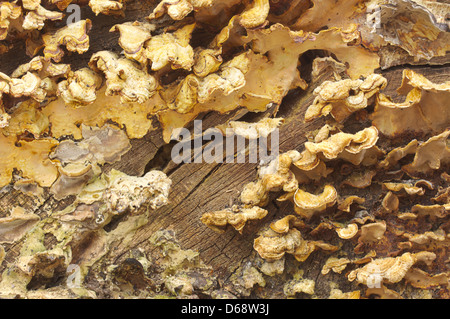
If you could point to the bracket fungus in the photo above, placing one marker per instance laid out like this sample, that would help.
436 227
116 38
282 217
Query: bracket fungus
29 85
372 232
274 176
283 238
171 48
89 108
262 128
423 110
124 77
235 216
410 26
133 38
272 246
404 188
177 10
344 204
107 6
31 158
344 143
16 225
358 148
74 37
434 211
421 279
307 204
342 98
283 225
80 88
347 232
78 162
390 202
386 270
36 19
430 155
336 264
9 11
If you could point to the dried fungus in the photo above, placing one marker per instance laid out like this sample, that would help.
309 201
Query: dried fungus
275 175
16 225
36 19
424 109
130 192
9 11
347 232
342 98
124 77
262 128
235 216
78 162
336 264
80 88
74 37
307 204
107 7
272 246
385 270
372 173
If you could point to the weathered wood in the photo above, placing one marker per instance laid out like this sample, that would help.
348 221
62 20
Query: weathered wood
197 188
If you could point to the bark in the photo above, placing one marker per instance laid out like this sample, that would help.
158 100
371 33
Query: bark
197 189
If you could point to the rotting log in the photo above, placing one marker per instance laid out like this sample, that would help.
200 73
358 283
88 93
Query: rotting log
135 265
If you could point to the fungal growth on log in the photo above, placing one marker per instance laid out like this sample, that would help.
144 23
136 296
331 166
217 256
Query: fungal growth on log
320 168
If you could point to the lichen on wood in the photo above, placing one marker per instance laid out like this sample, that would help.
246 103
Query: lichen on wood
354 205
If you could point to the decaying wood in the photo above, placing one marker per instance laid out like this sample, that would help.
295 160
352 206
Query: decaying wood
199 188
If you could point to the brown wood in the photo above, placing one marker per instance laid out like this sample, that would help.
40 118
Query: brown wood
199 188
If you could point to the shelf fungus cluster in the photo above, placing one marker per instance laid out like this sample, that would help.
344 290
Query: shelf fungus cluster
367 186
413 172
330 183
